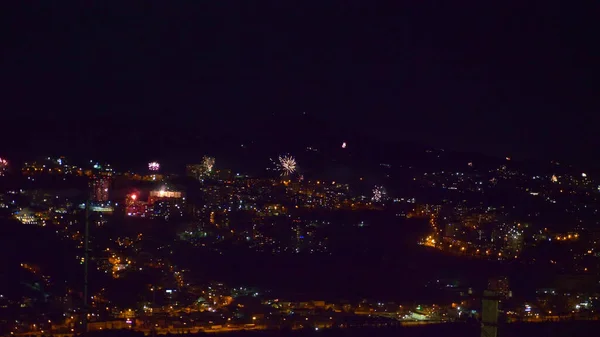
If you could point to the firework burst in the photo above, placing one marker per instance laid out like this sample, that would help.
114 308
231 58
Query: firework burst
208 163
379 194
153 166
286 165
3 166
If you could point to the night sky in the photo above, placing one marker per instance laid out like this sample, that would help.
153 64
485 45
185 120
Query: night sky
518 79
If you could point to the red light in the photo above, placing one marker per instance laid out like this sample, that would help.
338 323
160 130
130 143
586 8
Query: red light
133 196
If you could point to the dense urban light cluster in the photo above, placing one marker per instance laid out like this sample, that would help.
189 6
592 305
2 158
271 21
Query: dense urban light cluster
144 223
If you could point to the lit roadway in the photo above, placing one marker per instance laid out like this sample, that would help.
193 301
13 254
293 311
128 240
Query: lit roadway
159 331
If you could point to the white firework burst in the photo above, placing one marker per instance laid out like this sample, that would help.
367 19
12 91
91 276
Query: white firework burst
379 194
208 163
286 165
153 166
3 166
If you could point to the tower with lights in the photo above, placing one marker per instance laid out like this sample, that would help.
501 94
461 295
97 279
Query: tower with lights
100 189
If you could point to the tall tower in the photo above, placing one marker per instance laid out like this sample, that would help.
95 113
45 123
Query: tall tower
498 290
100 187
489 314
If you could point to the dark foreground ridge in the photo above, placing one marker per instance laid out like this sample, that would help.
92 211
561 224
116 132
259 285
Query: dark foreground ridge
550 329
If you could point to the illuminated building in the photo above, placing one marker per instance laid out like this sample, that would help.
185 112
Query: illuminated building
167 208
166 204
162 194
134 206
102 209
26 216
100 187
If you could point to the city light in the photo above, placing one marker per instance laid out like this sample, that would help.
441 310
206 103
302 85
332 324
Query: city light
457 226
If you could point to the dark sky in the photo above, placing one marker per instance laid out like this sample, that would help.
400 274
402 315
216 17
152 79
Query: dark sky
520 78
